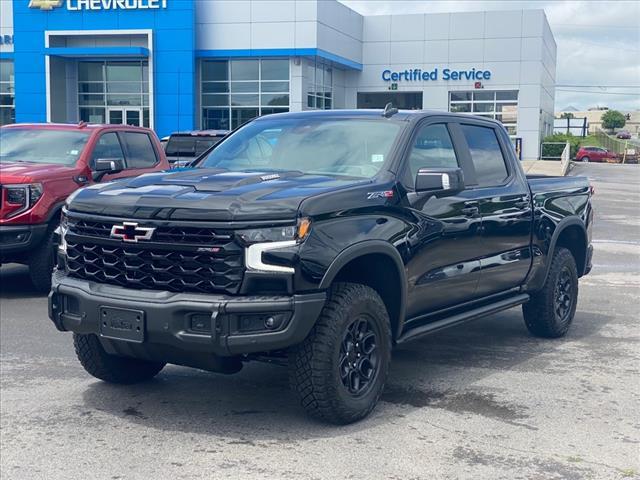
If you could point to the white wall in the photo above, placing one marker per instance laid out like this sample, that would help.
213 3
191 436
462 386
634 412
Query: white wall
279 24
516 46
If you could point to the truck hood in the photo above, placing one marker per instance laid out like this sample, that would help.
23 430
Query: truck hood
19 172
206 194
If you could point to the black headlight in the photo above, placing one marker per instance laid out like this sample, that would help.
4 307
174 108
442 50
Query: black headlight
22 197
276 234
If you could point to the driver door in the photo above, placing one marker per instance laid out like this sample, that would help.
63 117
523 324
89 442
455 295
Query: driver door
444 268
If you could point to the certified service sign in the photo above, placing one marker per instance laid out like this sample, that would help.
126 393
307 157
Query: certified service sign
75 5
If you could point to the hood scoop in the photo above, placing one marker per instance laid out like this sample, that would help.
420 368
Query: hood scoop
213 179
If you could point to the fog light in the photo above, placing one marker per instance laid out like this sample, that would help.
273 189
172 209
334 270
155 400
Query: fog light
261 322
201 323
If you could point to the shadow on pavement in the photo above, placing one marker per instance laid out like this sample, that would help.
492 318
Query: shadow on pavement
15 283
256 406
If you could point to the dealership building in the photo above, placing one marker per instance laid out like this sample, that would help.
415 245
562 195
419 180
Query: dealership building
214 64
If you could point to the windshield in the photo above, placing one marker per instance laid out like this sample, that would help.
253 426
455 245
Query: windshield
189 146
348 147
61 147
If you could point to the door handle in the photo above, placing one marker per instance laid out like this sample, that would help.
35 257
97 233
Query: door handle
470 209
522 204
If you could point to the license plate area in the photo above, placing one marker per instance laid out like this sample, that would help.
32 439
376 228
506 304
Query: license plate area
122 324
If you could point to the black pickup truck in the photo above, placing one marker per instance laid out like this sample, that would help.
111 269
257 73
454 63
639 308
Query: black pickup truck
320 240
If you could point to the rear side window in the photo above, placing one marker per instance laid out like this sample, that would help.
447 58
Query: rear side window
139 150
432 148
486 155
189 146
108 146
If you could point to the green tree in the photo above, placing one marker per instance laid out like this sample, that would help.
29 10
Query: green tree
613 119
566 115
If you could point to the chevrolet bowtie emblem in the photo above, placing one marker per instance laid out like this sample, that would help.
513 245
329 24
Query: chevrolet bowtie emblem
131 232
45 4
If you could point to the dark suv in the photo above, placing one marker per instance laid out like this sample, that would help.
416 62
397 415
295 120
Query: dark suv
320 239
184 147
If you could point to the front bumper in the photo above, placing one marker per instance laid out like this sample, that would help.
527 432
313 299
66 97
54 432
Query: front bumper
183 328
18 240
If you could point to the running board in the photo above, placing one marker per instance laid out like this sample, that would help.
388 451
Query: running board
460 318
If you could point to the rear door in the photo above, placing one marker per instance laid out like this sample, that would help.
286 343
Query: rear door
139 152
504 249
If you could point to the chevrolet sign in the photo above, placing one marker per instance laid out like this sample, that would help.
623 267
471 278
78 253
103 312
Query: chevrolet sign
75 5
45 4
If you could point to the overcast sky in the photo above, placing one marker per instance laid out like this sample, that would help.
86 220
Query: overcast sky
598 43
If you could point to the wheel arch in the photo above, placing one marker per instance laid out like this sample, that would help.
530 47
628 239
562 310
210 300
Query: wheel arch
572 235
377 264
54 214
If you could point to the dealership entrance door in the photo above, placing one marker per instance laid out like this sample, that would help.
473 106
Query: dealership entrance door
124 116
402 100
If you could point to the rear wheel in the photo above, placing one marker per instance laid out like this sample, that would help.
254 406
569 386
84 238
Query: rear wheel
585 159
111 368
339 371
550 311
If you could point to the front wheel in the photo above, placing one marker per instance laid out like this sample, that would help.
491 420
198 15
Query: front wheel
111 368
339 371
41 264
550 311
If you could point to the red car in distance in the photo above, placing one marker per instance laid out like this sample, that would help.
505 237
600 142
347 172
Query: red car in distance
594 154
42 164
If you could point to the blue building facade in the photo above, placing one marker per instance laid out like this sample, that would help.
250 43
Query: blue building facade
51 38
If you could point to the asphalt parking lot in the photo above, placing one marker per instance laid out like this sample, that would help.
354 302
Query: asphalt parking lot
484 400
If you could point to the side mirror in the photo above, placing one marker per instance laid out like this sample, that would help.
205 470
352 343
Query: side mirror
443 181
104 166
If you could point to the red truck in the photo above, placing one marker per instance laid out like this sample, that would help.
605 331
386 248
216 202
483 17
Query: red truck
42 164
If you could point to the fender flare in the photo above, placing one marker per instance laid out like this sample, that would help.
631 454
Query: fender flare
366 248
561 227
55 211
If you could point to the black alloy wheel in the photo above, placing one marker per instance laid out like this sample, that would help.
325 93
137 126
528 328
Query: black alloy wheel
563 295
358 363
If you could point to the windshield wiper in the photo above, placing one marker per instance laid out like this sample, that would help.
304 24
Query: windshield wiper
4 159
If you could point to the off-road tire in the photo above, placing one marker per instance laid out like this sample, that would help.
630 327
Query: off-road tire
314 365
540 314
111 368
41 263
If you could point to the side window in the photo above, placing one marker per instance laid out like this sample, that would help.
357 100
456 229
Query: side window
107 146
139 150
486 155
432 148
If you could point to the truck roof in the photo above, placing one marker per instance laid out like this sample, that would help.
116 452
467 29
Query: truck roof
74 126
402 115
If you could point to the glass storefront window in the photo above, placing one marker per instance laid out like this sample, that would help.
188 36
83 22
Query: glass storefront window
244 70
255 87
91 72
274 69
500 105
92 115
7 93
319 84
126 86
